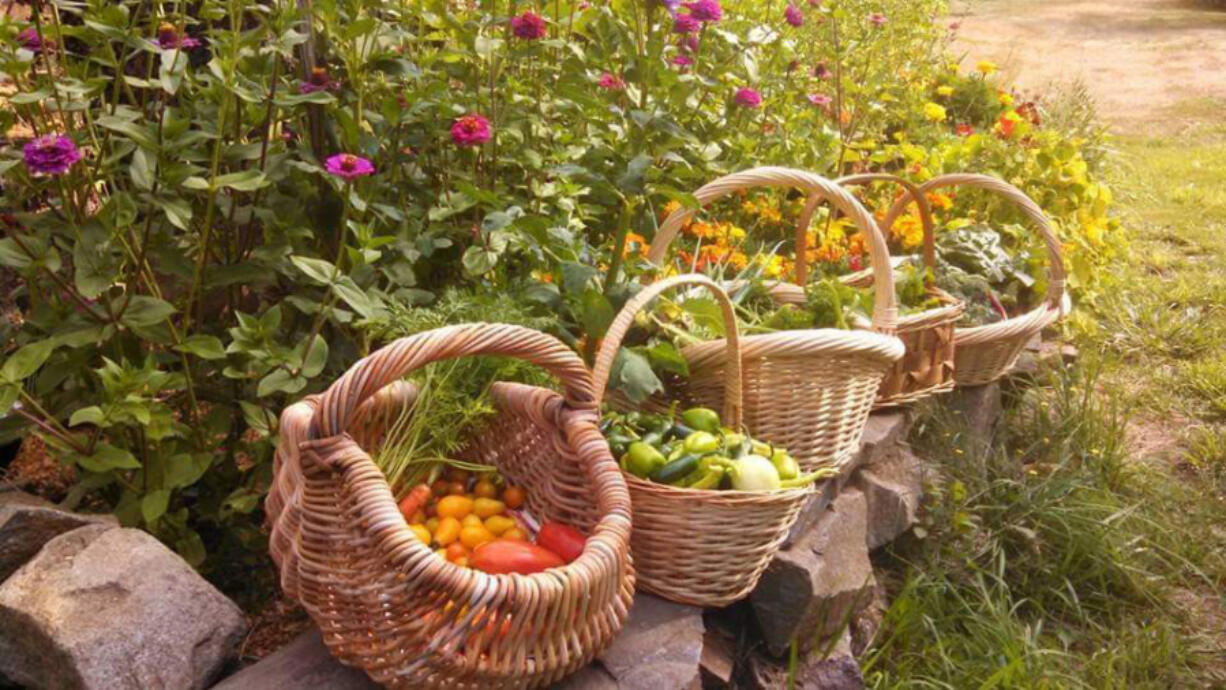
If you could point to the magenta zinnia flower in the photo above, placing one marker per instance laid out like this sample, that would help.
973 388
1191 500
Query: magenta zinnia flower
528 26
683 60
51 154
318 81
793 15
705 10
685 24
822 71
748 98
876 19
470 130
820 99
610 82
169 38
348 166
31 41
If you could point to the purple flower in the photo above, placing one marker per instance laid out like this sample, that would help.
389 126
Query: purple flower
705 10
169 38
529 26
31 41
793 15
685 24
318 81
348 166
682 60
690 43
821 100
470 130
748 98
822 71
877 19
51 154
610 82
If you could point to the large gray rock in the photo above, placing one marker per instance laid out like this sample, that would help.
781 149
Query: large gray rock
660 646
105 607
883 434
892 493
27 522
810 590
833 669
979 408
303 663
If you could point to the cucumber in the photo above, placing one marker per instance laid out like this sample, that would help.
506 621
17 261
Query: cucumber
676 470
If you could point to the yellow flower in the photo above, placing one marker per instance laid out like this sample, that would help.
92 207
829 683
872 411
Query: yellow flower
939 201
934 112
945 90
986 67
1005 98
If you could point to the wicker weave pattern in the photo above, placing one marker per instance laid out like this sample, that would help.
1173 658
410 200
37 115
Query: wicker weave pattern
389 606
794 395
670 555
986 353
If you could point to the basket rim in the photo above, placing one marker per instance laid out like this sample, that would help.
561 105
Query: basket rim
1034 320
731 497
799 343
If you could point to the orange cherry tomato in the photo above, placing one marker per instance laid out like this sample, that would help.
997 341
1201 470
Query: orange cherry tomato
448 531
456 550
514 497
485 489
457 507
515 534
472 537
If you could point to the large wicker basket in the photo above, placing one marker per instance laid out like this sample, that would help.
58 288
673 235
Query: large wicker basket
810 391
985 353
927 368
385 603
674 554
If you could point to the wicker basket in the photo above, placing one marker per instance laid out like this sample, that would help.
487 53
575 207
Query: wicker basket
671 555
809 391
927 368
985 353
385 603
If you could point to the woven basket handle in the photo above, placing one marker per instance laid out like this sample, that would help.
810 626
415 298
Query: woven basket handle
925 214
1055 264
625 319
885 307
338 406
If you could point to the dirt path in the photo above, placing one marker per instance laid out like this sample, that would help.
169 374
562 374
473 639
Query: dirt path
1138 58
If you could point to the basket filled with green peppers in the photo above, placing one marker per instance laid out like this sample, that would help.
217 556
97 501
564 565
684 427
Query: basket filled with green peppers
691 469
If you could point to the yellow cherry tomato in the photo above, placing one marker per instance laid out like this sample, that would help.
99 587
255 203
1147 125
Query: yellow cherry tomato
486 507
498 524
457 507
462 561
471 520
448 531
418 518
515 534
422 534
485 489
432 524
472 537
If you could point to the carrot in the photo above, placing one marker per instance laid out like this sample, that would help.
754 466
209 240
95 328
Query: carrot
415 501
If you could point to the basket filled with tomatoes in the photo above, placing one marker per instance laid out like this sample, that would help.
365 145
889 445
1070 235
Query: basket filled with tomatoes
689 470
497 556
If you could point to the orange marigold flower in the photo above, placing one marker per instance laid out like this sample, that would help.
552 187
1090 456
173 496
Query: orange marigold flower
635 243
939 201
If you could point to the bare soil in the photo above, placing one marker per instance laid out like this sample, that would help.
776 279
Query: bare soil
1138 58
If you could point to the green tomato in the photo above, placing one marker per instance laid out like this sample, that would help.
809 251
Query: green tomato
755 473
785 464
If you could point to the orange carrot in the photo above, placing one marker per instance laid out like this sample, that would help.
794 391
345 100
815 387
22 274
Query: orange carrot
415 501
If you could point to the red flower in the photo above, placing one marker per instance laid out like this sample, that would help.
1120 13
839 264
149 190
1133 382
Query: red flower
470 130
529 26
610 82
964 129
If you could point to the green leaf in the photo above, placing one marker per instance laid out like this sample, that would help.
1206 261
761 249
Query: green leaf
495 220
634 179
478 260
316 358
141 134
706 314
153 506
88 415
280 381
191 548
633 376
316 97
203 346
486 46
171 68
318 270
145 311
185 469
352 295
664 356
11 254
595 313
245 181
576 276
143 169
259 418
8 396
23 363
107 457
177 210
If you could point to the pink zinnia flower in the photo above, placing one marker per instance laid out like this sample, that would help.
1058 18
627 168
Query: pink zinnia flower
685 24
793 15
348 166
690 43
610 82
318 81
821 100
529 26
51 154
822 71
169 38
470 130
705 10
877 19
855 263
683 60
748 98
31 41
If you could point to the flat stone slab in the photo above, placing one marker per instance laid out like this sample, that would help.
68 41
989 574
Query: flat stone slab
27 522
303 663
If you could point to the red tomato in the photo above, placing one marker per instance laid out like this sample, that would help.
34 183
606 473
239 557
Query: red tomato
508 556
561 539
